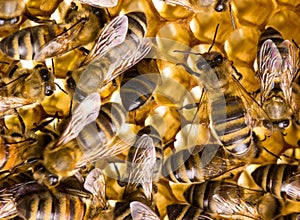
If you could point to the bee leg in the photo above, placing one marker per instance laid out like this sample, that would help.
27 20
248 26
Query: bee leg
22 123
12 71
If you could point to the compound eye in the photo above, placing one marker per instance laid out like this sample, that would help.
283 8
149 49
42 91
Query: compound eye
267 124
284 124
218 59
48 90
219 7
44 73
52 180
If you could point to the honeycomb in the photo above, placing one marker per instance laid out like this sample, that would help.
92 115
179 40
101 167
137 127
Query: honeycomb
165 112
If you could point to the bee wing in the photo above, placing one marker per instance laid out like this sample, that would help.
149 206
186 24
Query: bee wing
257 116
289 70
140 211
140 169
85 113
61 43
269 67
7 104
95 184
229 201
112 35
127 60
184 3
101 3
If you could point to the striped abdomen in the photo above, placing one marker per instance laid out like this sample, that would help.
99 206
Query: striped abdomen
137 87
270 34
111 117
26 43
222 198
184 211
281 180
230 124
45 205
200 165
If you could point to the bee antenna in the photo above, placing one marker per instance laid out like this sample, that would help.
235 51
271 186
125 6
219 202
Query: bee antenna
214 39
64 91
232 18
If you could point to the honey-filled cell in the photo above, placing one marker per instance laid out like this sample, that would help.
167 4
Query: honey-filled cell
43 8
288 2
68 62
170 12
241 45
173 78
287 23
250 12
248 78
177 32
166 120
203 26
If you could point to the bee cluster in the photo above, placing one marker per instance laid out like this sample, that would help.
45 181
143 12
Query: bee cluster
149 109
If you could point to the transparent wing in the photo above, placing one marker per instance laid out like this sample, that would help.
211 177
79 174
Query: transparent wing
140 211
95 184
256 115
183 3
101 3
269 67
129 58
140 169
289 70
112 35
85 113
229 201
61 43
7 104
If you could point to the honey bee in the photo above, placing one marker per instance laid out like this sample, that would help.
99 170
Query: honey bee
26 43
143 165
104 62
227 199
277 69
62 157
11 15
200 164
281 180
49 40
26 86
229 110
68 201
144 161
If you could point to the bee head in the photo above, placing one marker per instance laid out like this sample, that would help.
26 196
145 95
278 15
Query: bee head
214 59
42 175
